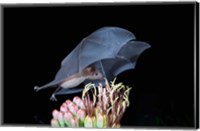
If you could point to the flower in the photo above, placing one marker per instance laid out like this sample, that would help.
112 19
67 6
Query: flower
100 107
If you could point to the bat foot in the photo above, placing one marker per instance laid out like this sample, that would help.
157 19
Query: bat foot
53 98
36 88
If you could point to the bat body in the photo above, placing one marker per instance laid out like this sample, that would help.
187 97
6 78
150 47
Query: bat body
109 50
74 80
89 73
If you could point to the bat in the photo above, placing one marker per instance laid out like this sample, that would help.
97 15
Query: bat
105 53
74 80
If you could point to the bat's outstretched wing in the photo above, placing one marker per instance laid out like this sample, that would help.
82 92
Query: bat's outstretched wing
130 53
126 59
102 44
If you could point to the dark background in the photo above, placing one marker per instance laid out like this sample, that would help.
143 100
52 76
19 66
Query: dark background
37 38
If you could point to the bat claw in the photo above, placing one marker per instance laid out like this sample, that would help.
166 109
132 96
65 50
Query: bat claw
53 98
36 88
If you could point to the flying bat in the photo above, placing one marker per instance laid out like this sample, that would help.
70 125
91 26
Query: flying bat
105 53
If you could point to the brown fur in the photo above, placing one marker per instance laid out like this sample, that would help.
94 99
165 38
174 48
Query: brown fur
87 71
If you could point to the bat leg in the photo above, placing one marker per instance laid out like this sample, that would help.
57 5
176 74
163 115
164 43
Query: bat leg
53 97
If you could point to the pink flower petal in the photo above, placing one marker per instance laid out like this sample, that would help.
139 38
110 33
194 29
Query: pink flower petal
68 102
74 122
55 114
68 116
60 116
77 100
63 107
73 108
81 114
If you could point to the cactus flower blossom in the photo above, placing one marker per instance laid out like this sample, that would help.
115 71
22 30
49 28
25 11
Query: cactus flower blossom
101 107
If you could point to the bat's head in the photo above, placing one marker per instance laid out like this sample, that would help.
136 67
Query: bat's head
93 73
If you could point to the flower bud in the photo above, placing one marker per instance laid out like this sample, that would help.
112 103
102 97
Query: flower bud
105 121
89 122
68 102
94 122
55 114
81 114
61 119
74 122
99 120
73 108
67 117
54 123
63 107
77 100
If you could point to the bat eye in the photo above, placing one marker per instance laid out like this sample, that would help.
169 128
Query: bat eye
96 74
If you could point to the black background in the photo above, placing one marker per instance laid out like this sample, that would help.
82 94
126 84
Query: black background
37 38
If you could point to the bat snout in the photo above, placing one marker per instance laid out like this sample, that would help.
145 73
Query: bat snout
101 77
